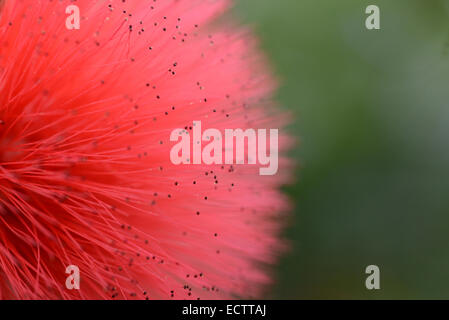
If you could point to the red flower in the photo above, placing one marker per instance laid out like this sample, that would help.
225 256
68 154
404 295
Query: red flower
85 171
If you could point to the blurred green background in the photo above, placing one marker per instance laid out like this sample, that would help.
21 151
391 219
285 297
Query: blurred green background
372 114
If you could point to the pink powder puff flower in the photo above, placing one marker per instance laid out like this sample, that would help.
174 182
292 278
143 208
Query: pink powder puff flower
85 171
